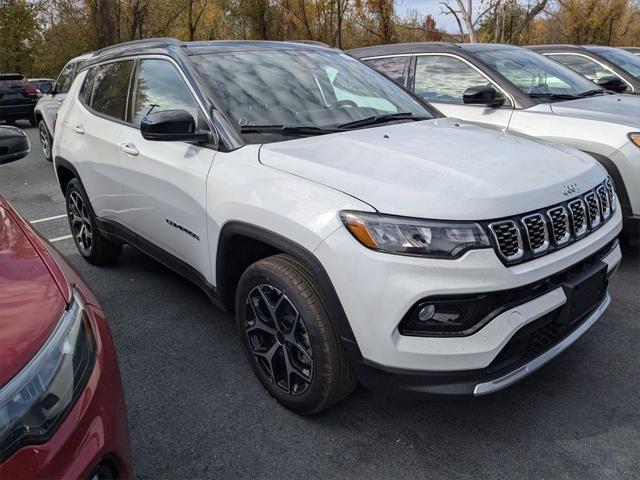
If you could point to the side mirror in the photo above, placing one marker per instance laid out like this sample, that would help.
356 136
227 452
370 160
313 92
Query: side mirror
46 87
14 144
171 126
483 95
612 83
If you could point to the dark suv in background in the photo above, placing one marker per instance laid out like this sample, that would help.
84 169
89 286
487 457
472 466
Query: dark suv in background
17 98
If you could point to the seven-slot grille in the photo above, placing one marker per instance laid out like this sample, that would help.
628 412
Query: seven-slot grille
522 238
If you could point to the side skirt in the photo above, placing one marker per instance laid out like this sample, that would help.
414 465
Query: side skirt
119 233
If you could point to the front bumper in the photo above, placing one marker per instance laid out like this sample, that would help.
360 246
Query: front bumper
376 290
94 433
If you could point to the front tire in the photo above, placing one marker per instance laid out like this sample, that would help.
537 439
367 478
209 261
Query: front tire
289 338
94 248
45 140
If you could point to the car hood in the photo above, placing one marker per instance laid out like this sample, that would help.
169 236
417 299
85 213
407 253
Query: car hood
624 109
438 169
31 302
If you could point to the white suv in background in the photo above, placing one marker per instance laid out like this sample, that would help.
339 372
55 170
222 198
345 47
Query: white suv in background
520 91
356 233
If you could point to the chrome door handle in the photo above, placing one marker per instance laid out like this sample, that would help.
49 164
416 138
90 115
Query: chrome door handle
78 129
129 149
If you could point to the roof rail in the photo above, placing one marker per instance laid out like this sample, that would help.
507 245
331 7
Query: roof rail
141 42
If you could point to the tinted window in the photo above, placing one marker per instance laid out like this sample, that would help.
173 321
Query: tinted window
87 86
392 67
110 87
534 74
623 59
159 87
65 79
442 78
583 65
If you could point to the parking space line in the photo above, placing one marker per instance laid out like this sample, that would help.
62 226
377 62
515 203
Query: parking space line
40 220
59 239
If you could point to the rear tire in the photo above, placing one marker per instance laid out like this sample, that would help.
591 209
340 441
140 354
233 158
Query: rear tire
289 338
92 245
45 140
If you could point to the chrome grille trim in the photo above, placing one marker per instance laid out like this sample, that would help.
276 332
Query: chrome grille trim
578 214
535 228
593 210
559 216
524 237
508 239
603 195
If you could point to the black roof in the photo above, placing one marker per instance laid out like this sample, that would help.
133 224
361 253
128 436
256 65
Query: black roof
424 47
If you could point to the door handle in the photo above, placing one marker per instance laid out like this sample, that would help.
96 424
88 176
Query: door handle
129 149
78 129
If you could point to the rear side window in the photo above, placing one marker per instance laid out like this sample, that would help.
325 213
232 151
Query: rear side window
392 67
110 87
65 79
159 87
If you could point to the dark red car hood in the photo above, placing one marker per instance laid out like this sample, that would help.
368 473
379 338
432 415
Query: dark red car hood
31 300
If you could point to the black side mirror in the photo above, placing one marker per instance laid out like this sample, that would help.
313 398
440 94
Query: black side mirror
612 83
171 126
14 144
46 87
483 95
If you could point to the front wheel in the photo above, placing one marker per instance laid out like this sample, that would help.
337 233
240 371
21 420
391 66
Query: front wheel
93 247
289 338
45 140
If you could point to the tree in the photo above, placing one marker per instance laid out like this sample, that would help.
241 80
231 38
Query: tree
18 36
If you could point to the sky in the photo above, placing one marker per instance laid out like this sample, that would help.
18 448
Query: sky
429 6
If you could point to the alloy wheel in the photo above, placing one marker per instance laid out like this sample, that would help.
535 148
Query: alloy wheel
279 339
44 139
80 222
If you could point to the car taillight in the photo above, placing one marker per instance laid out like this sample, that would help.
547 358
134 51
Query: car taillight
31 91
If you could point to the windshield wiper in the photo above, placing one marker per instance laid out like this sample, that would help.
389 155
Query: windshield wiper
554 96
388 117
287 129
590 93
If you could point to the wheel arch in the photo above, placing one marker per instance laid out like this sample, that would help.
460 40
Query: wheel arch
241 244
65 172
614 173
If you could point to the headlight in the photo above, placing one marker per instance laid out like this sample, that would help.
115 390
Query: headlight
37 399
407 236
635 138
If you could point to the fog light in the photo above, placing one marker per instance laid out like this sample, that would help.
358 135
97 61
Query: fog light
426 312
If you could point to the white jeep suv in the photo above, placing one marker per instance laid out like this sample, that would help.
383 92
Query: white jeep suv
356 233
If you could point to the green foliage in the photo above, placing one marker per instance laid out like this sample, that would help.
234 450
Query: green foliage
18 37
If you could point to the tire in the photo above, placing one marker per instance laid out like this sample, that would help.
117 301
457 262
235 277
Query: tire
94 248
289 338
45 140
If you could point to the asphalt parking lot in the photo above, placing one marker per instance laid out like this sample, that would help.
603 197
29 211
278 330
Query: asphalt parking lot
196 411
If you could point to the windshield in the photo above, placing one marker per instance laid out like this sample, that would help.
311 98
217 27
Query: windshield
625 60
303 88
536 75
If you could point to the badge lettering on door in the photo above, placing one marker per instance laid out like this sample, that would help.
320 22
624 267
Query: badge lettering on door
181 228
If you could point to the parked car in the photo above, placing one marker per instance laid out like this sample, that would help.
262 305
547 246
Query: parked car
355 232
634 50
609 67
52 97
14 144
62 410
523 92
40 83
17 98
